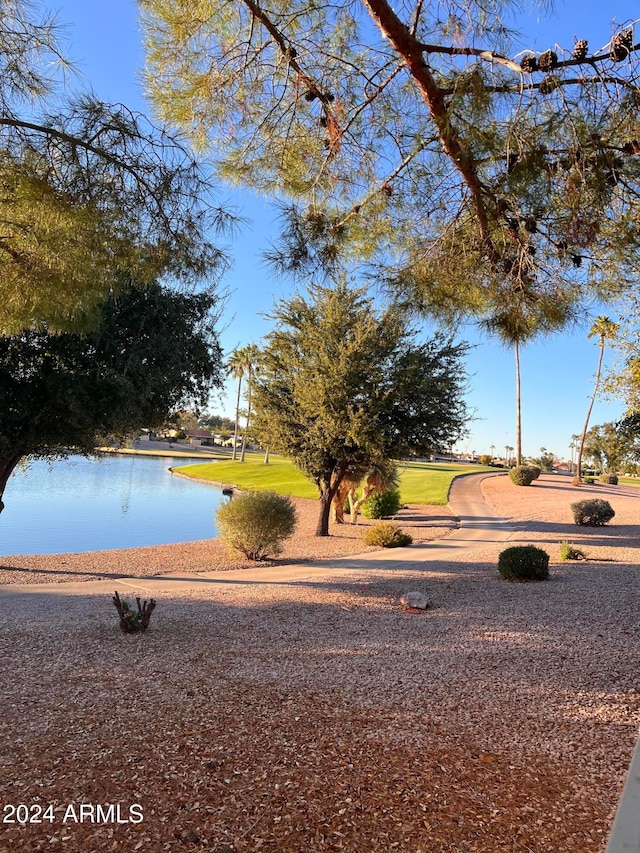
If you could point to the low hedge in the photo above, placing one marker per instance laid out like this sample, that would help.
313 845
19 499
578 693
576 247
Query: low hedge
524 563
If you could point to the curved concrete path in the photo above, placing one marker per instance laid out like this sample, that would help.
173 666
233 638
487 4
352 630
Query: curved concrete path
479 524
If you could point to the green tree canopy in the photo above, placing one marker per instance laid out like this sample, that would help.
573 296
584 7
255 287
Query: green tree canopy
418 137
87 190
343 386
609 446
155 350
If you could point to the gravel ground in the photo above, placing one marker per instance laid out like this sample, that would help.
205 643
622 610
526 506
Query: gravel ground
322 716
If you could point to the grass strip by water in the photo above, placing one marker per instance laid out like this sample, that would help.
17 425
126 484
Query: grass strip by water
420 482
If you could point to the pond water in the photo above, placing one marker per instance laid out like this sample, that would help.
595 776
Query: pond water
79 504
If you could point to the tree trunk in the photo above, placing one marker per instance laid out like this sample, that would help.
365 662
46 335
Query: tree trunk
325 510
518 414
338 501
329 488
235 432
266 455
370 487
246 429
7 466
577 480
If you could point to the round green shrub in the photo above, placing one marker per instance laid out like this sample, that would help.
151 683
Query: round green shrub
382 504
255 523
537 470
524 563
386 535
593 512
522 475
609 479
588 481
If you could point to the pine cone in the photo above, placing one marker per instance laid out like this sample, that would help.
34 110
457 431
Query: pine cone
548 84
580 49
529 63
547 60
621 45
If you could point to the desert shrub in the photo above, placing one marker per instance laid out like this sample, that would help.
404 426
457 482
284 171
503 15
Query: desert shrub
537 470
255 523
592 513
386 535
570 552
382 504
524 563
486 459
588 481
609 479
522 475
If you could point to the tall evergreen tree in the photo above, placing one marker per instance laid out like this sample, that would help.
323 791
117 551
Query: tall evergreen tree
417 137
87 190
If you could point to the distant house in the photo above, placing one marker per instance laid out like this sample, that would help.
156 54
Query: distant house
199 437
562 466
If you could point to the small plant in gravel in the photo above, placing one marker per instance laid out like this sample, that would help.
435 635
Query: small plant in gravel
522 475
524 563
256 523
570 552
382 504
386 535
593 512
588 481
132 621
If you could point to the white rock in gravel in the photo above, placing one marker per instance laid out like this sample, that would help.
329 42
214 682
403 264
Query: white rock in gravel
415 599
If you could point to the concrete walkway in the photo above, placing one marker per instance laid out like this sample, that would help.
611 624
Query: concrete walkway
479 524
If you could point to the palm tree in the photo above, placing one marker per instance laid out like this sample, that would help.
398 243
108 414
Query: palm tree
605 329
573 447
492 448
235 368
520 321
509 450
251 355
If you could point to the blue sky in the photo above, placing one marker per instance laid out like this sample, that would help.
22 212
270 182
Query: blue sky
557 374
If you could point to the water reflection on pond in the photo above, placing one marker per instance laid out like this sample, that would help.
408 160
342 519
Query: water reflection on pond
80 504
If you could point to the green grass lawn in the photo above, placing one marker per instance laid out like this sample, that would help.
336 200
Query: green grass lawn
630 481
420 482
429 482
278 476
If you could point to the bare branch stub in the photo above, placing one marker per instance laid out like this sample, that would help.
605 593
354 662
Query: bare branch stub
132 622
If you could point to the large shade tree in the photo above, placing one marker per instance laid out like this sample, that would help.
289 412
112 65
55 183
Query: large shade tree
417 136
154 350
343 386
609 446
87 190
